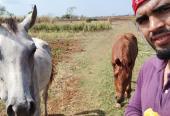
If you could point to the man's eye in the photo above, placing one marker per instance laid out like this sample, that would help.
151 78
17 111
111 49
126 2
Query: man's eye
165 9
162 10
142 20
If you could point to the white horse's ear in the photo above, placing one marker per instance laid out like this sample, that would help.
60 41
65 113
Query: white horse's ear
29 21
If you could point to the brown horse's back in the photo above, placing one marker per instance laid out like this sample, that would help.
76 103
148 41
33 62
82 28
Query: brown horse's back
125 48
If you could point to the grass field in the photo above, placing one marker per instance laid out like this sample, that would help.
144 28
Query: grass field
84 83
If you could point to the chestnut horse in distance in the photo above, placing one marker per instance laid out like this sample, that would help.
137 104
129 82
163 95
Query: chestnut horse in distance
124 53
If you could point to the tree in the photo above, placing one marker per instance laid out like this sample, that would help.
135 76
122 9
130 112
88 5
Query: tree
2 10
70 10
69 13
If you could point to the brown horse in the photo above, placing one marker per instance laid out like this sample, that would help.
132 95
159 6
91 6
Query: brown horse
124 53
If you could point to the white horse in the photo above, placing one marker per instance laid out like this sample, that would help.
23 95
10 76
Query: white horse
25 67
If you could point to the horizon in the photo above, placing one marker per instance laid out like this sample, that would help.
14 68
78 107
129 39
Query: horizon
59 8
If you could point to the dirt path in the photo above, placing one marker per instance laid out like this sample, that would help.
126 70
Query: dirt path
83 85
73 95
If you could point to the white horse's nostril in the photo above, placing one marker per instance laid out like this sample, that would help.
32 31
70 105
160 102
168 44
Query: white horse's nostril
10 111
22 109
32 107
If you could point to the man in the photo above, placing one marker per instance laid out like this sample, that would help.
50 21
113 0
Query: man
152 93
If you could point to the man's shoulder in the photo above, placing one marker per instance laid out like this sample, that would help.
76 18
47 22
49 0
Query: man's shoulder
153 62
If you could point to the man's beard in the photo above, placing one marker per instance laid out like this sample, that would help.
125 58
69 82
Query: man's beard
163 54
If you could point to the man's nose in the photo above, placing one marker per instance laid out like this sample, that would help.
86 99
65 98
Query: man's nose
155 23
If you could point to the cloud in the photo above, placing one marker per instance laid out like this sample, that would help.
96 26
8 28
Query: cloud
9 2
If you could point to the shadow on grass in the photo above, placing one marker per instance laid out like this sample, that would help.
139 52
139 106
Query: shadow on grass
56 115
92 113
134 82
124 104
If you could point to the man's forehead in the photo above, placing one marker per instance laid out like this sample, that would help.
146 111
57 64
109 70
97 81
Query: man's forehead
149 6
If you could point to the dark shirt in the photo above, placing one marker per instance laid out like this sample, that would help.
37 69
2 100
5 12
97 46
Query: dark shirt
149 92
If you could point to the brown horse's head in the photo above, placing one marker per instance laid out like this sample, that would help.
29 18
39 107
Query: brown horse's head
122 73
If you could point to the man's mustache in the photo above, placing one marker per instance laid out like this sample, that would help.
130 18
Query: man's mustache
159 32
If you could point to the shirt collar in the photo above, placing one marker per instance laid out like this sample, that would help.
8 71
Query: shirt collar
159 64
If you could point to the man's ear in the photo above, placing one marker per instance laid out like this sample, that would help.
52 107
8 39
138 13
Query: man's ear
138 29
137 26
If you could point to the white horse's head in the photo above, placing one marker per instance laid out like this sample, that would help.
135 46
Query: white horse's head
17 66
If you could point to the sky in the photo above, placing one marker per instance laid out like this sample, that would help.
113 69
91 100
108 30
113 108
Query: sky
90 8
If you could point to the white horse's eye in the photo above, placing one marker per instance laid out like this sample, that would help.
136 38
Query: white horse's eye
1 79
33 48
33 51
1 56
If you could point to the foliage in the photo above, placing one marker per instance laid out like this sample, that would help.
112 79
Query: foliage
90 20
72 27
69 13
66 16
3 11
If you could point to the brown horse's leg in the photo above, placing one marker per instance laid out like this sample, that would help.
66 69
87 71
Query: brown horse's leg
119 91
128 89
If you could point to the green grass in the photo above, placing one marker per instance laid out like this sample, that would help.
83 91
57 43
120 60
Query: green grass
95 70
71 27
94 66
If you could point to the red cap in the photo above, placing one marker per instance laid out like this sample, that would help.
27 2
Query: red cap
136 4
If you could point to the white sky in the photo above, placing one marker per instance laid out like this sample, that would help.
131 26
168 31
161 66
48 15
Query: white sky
59 7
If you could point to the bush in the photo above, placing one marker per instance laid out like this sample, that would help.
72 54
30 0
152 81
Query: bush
90 20
72 27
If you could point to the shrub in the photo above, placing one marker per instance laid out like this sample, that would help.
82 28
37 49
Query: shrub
72 27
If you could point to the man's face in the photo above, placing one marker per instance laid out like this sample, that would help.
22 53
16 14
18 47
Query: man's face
153 19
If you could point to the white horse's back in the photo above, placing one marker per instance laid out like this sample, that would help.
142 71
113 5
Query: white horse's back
43 62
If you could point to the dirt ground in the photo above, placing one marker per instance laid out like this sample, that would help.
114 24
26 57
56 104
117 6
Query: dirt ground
66 86
63 86
83 81
67 98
